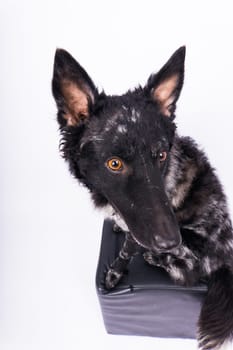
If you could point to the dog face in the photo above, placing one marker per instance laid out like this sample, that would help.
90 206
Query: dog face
118 146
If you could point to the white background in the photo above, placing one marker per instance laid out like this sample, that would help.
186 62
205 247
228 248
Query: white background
50 234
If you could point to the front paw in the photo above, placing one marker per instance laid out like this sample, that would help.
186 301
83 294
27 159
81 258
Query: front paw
151 259
112 278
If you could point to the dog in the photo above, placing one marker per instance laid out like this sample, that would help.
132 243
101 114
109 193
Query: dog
157 186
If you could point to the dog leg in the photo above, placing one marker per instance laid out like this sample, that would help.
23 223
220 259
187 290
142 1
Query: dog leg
128 251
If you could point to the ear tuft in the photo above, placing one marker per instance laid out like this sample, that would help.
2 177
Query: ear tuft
165 86
73 90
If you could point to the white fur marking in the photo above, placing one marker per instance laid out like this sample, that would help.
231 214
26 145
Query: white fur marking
122 129
175 273
135 116
230 244
111 214
206 265
113 121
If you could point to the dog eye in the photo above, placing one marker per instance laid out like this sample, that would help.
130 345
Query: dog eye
115 164
162 156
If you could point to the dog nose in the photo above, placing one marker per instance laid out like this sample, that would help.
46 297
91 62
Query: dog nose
166 245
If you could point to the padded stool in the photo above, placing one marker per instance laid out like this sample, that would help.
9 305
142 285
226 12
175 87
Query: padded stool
145 302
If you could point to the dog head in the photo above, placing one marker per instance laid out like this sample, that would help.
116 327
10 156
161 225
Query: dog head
119 146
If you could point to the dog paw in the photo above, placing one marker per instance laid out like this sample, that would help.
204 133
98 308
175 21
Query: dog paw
112 278
151 259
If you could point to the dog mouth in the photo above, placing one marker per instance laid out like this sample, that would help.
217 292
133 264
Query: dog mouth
138 242
147 239
174 249
158 233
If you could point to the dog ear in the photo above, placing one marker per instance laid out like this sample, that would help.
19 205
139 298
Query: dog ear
165 86
72 88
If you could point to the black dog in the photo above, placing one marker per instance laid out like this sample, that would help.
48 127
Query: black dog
158 187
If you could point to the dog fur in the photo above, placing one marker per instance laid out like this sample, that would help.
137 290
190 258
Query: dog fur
157 186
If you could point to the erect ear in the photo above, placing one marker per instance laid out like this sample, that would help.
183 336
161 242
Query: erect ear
72 88
165 86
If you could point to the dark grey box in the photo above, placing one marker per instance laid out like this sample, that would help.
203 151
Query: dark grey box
145 302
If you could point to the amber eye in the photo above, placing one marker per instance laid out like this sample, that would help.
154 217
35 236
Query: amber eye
162 156
115 164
